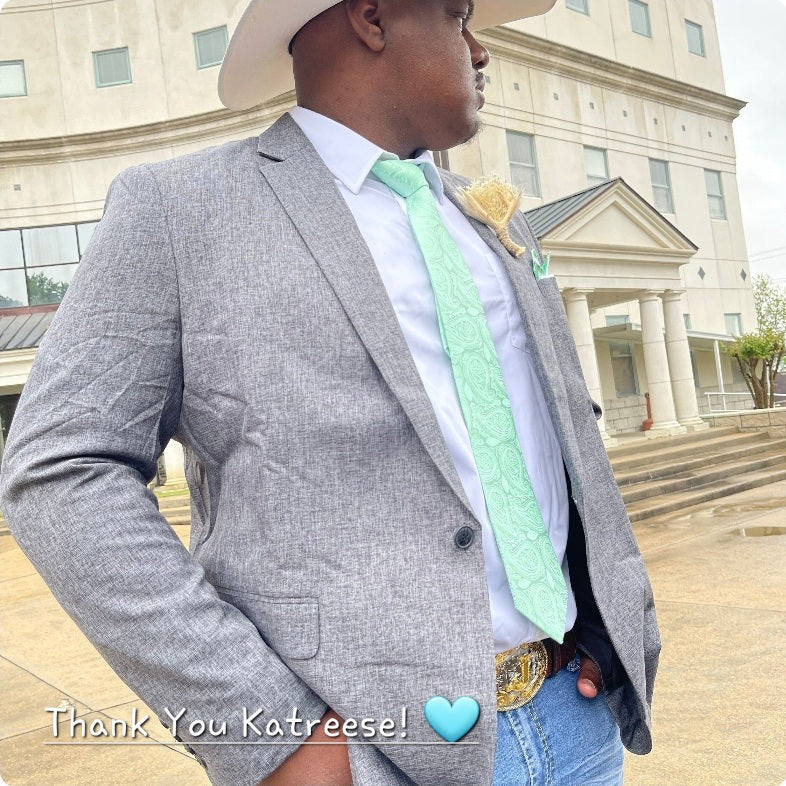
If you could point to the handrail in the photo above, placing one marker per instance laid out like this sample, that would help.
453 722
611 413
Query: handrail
725 408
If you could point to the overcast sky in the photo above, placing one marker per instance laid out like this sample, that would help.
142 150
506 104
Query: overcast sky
753 49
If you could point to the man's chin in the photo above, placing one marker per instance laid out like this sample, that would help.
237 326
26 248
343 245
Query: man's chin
459 135
477 127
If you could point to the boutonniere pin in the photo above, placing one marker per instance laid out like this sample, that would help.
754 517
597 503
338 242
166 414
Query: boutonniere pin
494 202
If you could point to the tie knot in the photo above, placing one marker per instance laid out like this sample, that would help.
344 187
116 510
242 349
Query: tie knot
404 177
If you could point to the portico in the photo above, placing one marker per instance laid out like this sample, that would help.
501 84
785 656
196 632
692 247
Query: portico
608 247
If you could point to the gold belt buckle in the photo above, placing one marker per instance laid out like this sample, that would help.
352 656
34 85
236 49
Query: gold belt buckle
520 673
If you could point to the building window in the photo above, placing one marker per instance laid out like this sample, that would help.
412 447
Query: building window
617 319
523 164
737 377
624 369
695 38
715 194
50 245
11 249
12 78
83 234
640 18
442 159
661 185
37 264
210 46
695 368
112 67
733 324
578 5
687 320
7 409
596 164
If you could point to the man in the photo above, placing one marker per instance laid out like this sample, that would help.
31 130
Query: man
278 306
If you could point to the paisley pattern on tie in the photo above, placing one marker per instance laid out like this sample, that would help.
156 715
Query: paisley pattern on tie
533 571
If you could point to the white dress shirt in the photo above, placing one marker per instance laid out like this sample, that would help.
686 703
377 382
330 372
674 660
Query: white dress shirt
381 217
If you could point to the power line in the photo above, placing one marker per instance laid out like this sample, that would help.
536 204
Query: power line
757 254
765 259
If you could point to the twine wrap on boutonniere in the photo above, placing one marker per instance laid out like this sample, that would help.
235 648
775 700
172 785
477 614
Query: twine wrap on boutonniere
494 202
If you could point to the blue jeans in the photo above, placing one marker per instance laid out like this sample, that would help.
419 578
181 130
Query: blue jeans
559 739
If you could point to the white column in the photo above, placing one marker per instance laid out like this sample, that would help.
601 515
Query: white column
678 352
718 368
664 417
173 458
577 309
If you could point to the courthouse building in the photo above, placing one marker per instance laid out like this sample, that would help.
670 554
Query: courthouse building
610 115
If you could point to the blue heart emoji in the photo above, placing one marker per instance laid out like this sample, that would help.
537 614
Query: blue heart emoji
451 721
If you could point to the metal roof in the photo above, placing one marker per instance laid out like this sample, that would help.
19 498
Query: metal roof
544 218
22 331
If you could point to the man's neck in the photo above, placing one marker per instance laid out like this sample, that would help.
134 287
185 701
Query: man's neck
368 124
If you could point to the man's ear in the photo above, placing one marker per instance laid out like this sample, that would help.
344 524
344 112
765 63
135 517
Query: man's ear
365 18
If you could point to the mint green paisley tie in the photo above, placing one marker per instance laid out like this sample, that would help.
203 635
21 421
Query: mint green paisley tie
533 571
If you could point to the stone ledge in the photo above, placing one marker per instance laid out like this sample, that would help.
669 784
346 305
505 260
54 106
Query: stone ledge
771 420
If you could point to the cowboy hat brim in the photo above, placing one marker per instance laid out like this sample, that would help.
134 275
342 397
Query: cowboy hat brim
257 67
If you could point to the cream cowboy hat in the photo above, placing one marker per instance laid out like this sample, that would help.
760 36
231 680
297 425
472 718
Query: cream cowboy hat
256 66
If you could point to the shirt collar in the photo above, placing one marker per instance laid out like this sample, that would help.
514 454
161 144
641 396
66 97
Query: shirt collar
350 156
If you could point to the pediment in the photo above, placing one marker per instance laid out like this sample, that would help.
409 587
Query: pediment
615 226
611 216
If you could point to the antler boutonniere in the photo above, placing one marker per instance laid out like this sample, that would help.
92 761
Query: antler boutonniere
494 202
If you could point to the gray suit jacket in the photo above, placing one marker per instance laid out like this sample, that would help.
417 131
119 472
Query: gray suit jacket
228 300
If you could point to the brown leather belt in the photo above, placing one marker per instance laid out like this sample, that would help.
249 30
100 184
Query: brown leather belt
522 670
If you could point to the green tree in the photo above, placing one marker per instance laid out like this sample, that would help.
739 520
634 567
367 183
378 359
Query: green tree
41 289
770 300
761 355
8 302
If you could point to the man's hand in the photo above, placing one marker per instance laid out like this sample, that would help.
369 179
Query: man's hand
589 682
316 765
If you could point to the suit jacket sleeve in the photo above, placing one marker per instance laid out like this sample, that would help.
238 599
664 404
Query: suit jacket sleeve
102 400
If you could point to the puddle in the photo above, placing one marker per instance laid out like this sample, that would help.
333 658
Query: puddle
760 532
723 509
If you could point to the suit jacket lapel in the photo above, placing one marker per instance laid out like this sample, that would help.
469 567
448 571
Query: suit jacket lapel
307 191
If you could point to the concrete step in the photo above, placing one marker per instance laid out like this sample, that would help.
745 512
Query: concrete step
179 519
177 507
179 501
687 448
657 506
632 447
172 485
671 466
724 468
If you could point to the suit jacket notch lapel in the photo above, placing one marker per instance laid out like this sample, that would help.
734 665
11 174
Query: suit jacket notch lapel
307 191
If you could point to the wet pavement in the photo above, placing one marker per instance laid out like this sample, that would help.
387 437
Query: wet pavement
719 576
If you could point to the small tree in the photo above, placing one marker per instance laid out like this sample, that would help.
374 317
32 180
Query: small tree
42 289
761 355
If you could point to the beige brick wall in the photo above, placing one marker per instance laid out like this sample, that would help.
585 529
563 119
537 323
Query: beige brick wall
772 421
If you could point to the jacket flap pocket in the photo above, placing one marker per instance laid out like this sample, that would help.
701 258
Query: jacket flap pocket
289 626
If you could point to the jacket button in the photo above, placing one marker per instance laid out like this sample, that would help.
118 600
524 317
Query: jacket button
464 537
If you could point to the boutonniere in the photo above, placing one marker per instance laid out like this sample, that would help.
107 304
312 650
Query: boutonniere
494 202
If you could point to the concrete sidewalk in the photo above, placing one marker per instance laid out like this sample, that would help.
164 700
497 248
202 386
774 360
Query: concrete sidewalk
720 701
